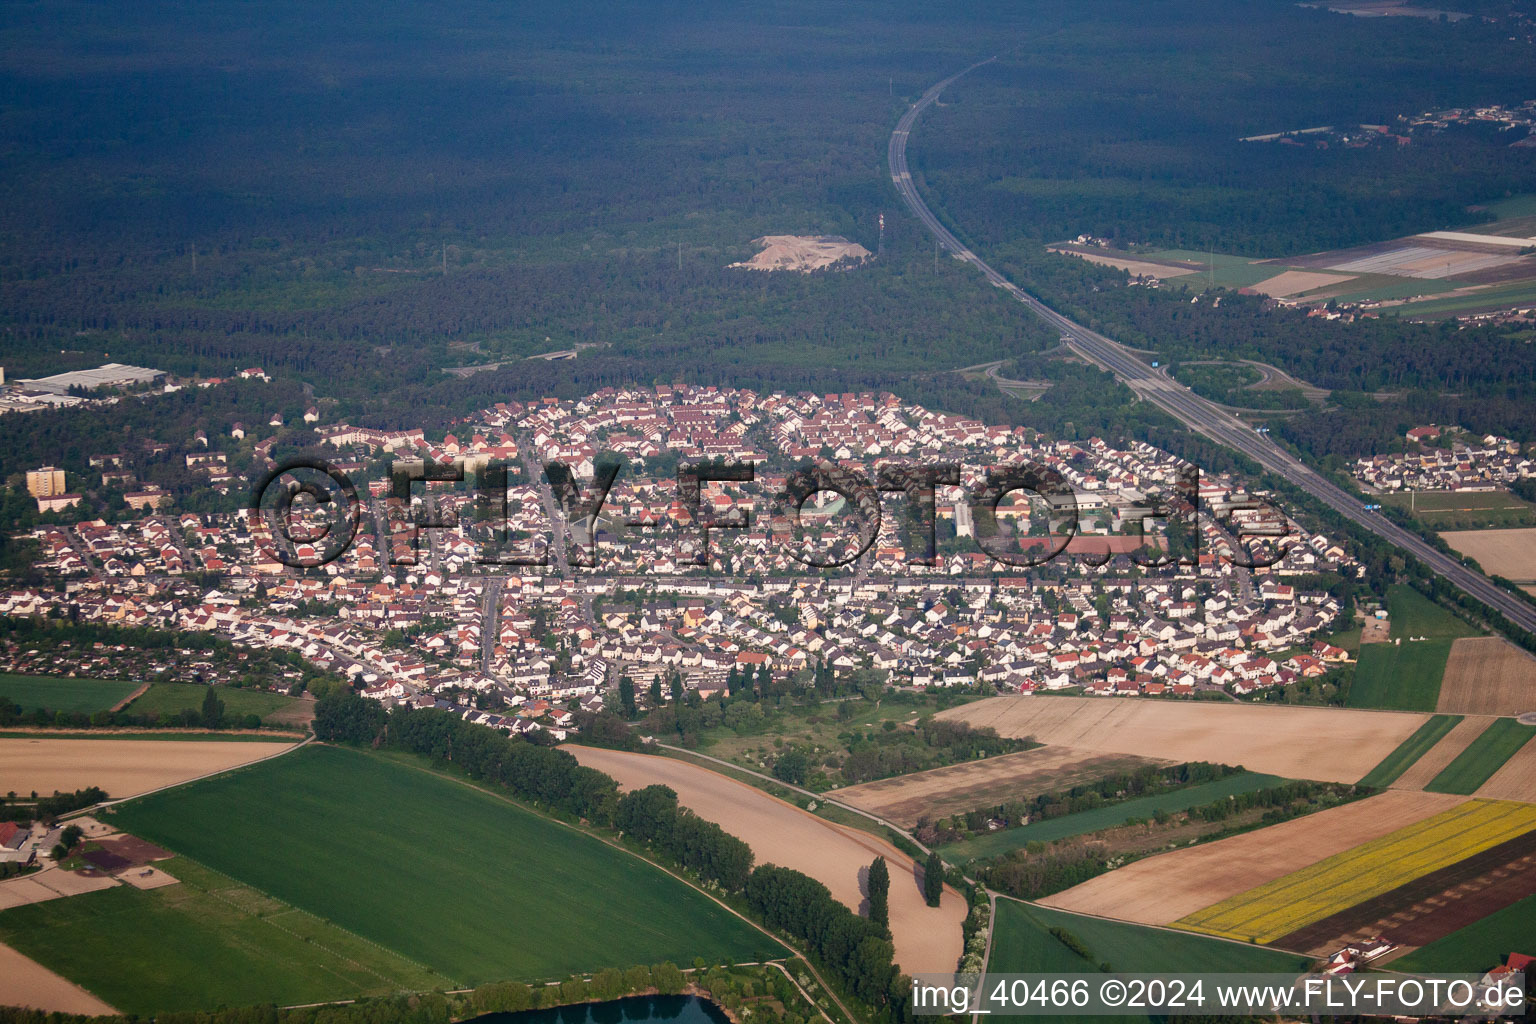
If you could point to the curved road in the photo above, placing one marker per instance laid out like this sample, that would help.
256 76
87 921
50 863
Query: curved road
1187 407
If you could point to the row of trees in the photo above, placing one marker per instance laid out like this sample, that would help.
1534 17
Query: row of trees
852 948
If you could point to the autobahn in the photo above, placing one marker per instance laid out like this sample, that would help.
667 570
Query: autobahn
1185 406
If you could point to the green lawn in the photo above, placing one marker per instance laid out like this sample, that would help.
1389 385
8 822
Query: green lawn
998 843
1480 945
1413 614
173 698
1400 677
1487 754
204 943
1410 750
87 695
448 875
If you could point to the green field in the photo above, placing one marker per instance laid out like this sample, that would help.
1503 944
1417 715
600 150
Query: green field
56 694
1022 942
1230 271
204 943
1480 945
1402 677
447 875
173 698
1084 822
1450 511
1410 750
1486 755
1413 614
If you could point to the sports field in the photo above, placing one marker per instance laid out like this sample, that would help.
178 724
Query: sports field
1480 945
1410 750
1280 907
205 942
174 698
1084 822
1486 755
1400 677
1322 744
58 694
1022 942
439 872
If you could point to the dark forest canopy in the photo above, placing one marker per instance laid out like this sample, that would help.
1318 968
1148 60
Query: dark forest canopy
372 193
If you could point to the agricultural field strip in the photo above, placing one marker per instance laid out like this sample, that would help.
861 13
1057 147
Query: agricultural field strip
1286 904
58 693
1099 818
1163 888
1442 754
1498 876
1483 757
1516 780
1477 946
1410 750
1488 676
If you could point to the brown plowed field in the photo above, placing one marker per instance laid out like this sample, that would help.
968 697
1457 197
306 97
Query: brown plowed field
1324 744
1164 888
960 787
123 768
25 982
1515 779
1487 676
1431 907
1443 753
927 938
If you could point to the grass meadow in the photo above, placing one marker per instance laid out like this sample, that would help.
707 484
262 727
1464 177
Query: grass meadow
173 698
469 884
206 942
59 694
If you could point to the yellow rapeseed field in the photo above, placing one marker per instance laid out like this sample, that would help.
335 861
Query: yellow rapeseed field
1293 901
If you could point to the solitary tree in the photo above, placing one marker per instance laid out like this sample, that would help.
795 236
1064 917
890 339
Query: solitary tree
933 878
880 894
627 704
677 687
656 691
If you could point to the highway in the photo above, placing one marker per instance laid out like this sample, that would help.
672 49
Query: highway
1185 406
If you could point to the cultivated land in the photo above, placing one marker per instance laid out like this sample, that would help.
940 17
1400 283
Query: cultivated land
1516 780
1483 757
205 942
1164 888
1478 946
1431 907
1488 676
1327 745
1085 822
174 698
1410 750
121 767
25 982
926 938
1439 757
1140 268
960 787
378 847
1509 553
1022 942
87 695
1400 677
1277 908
